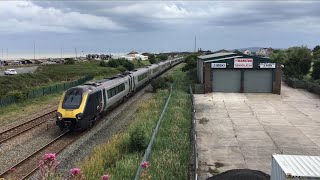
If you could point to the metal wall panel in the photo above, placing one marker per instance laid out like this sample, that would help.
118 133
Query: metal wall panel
225 80
257 81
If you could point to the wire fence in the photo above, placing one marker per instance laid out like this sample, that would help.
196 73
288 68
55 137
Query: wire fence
194 138
154 135
22 96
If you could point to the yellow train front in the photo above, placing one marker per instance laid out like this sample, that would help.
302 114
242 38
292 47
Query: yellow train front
79 107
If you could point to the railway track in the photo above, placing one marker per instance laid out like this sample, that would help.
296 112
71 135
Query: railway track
26 167
21 128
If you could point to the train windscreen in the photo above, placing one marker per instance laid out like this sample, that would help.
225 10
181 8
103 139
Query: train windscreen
72 99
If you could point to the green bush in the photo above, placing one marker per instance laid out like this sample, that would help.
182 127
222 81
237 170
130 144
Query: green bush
137 140
121 69
191 62
129 65
162 57
159 83
113 63
103 64
69 61
316 70
20 96
152 60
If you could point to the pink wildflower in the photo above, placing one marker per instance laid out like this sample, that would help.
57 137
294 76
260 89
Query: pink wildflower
145 164
13 170
49 157
75 171
105 177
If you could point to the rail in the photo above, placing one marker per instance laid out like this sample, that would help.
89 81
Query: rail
21 128
26 159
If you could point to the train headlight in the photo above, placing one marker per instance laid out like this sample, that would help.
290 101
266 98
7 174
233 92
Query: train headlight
79 116
59 116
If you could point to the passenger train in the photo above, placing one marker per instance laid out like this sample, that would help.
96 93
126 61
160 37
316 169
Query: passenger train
81 106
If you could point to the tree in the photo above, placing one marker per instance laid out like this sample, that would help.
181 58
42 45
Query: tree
113 63
316 55
129 65
316 70
316 48
191 62
153 60
279 56
162 57
299 62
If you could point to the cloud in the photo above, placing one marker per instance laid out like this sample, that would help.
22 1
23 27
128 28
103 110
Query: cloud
22 16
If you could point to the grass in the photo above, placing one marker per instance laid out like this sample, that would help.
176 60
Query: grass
172 149
20 110
114 156
50 74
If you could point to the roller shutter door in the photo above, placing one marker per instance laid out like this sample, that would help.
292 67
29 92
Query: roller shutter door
226 80
258 81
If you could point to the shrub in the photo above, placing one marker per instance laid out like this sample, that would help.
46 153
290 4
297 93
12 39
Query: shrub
162 57
121 69
159 83
129 65
138 140
191 62
113 63
20 96
69 61
103 64
316 70
152 60
299 62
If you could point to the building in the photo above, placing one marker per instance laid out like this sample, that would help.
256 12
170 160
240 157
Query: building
264 52
1 63
232 72
246 52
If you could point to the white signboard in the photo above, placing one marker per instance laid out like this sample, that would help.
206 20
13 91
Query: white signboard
267 65
243 63
218 65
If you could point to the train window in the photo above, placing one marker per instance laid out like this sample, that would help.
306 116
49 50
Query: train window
115 90
72 99
142 76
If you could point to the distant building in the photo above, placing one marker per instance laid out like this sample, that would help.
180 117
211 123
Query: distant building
98 57
135 55
264 52
1 63
246 52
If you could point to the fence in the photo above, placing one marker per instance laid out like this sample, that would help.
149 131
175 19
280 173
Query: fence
296 83
194 139
42 91
148 150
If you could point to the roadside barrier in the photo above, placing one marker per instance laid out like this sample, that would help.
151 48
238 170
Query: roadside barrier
42 91
154 135
194 138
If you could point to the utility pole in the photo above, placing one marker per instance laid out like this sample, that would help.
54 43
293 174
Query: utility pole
34 50
75 50
2 52
195 43
61 53
7 54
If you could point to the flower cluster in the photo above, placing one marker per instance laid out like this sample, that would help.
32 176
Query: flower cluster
48 166
145 174
145 164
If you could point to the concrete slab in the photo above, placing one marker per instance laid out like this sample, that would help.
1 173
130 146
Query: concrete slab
244 130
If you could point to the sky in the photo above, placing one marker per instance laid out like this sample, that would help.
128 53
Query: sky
58 28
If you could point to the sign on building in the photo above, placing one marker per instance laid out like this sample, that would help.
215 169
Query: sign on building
243 63
267 65
218 65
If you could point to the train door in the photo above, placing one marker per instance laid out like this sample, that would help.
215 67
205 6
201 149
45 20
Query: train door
130 84
104 99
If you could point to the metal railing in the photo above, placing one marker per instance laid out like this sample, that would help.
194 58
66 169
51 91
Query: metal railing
154 135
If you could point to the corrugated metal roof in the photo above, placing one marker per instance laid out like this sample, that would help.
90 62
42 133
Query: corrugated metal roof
230 57
215 55
299 166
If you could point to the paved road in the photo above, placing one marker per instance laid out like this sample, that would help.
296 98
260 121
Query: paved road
244 130
22 70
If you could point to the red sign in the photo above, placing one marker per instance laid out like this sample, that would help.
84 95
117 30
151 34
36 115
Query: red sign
243 63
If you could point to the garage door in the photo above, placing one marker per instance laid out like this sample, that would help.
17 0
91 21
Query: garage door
258 81
226 80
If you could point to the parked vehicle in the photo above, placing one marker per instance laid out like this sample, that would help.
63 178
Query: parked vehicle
10 72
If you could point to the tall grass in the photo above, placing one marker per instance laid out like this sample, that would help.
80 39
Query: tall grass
172 149
114 157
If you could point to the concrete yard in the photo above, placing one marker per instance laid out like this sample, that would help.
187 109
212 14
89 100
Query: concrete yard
243 130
